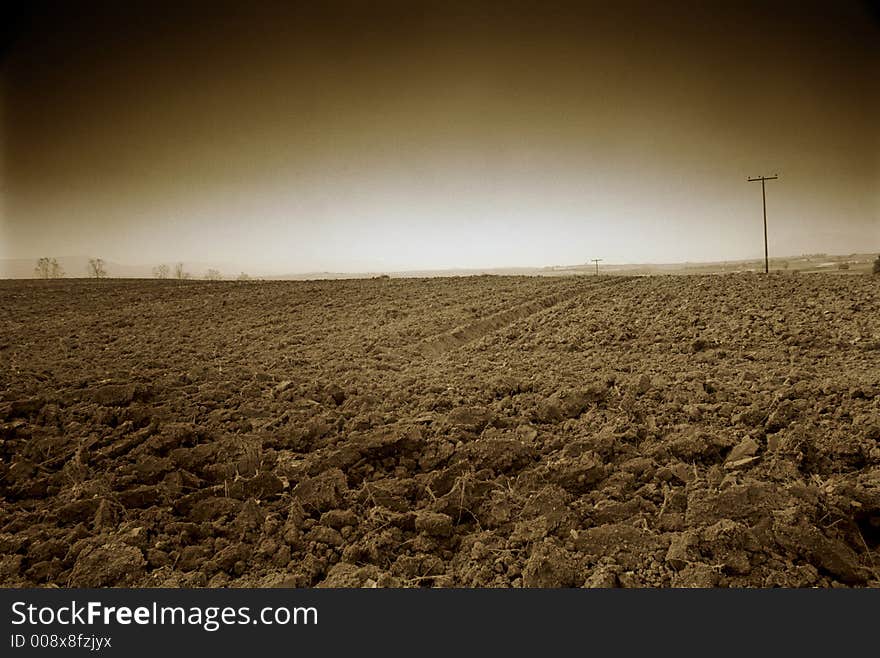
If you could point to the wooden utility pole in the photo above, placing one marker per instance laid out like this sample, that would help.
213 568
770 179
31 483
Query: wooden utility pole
764 199
597 261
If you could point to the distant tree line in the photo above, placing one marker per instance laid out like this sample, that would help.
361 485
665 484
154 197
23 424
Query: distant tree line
48 268
179 272
163 271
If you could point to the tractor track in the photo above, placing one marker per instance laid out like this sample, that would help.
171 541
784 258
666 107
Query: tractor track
440 344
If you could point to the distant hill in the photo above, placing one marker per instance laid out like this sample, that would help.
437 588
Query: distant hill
852 263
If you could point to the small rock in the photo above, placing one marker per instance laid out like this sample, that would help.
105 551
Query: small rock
745 448
261 486
250 517
602 578
322 492
336 394
279 388
578 475
137 537
548 411
212 508
114 395
774 442
692 446
699 345
46 550
434 523
752 417
114 564
339 518
474 419
346 575
550 566
25 407
10 567
643 385
682 550
79 510
683 472
45 571
157 558
229 556
20 472
526 433
325 535
192 557
141 497
782 416
696 576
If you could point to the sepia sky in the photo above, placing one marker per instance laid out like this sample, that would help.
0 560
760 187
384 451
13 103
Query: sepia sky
374 136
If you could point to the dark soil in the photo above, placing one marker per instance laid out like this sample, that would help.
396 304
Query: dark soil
483 431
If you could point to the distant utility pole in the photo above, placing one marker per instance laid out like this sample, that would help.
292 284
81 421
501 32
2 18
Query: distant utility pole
764 199
597 261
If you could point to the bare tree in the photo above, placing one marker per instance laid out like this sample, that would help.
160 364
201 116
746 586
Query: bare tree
41 271
160 271
179 272
96 268
48 268
213 275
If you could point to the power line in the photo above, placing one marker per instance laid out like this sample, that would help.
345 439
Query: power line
764 199
597 261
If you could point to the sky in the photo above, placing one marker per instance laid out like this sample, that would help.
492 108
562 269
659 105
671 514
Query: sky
391 136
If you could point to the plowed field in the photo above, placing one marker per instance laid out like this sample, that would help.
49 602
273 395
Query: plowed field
466 432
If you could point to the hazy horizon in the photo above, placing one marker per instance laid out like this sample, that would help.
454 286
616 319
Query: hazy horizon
357 137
